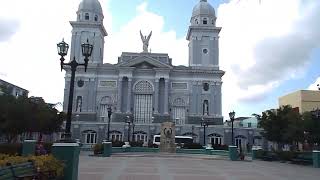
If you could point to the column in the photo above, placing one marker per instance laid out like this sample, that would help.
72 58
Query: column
129 95
156 96
119 94
166 97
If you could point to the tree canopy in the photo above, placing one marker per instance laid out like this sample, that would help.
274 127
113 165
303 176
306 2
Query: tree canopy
283 125
26 115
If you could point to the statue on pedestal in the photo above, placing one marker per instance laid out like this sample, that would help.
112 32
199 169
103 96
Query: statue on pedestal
145 41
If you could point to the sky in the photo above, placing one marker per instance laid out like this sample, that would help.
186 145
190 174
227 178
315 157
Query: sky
268 48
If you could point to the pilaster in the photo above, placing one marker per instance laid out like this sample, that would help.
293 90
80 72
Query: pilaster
166 96
129 95
156 96
119 94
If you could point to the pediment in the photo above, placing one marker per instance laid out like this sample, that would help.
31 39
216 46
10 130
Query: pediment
144 62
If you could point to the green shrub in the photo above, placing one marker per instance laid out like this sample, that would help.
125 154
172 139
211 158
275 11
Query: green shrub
136 143
192 146
220 147
286 155
98 149
48 147
12 149
150 145
44 163
261 153
117 143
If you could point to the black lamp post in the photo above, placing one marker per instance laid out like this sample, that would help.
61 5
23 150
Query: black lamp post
231 115
63 51
109 118
129 121
204 124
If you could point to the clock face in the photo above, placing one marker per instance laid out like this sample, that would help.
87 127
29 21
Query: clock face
80 83
205 51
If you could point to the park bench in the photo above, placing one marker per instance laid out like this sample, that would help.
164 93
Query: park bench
6 173
269 156
303 158
19 171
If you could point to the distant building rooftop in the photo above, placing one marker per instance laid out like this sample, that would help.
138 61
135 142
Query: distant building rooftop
302 100
13 89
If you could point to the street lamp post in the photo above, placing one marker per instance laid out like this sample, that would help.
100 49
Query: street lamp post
204 124
129 121
63 51
109 118
231 115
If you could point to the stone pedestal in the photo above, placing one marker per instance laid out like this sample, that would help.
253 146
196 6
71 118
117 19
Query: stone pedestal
69 154
316 159
107 149
254 153
29 147
233 154
167 137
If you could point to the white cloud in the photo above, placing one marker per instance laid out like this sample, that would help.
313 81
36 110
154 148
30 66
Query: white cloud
315 85
263 44
250 33
29 58
160 42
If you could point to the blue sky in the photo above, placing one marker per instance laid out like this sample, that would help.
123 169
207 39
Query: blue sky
268 48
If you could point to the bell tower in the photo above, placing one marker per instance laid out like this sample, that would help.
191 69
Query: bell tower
203 37
89 25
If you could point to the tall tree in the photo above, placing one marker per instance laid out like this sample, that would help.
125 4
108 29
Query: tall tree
312 127
283 125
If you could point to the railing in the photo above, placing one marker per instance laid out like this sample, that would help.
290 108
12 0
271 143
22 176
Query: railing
180 151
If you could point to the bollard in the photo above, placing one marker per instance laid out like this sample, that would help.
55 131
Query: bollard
254 153
233 154
28 147
69 154
316 159
107 149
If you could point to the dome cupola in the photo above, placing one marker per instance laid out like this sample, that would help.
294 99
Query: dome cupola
90 10
203 14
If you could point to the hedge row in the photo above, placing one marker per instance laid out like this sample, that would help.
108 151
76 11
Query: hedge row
45 163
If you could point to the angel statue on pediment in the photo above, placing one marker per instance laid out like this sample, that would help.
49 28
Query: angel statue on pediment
145 41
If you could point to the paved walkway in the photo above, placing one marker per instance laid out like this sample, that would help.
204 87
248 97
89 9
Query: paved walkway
182 167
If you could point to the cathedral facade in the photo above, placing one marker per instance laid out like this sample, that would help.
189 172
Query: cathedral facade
144 89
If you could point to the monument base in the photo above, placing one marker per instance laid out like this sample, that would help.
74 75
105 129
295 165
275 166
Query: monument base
167 137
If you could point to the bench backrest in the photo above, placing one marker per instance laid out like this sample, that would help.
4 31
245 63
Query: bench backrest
23 168
6 173
305 156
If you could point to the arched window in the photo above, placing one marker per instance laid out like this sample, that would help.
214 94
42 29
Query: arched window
179 111
240 141
205 21
90 137
86 16
95 18
205 107
140 136
196 21
143 102
257 141
215 139
116 136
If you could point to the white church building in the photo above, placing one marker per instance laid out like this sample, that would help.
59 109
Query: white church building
145 89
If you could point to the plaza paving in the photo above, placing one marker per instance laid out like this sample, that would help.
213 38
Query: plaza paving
182 167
